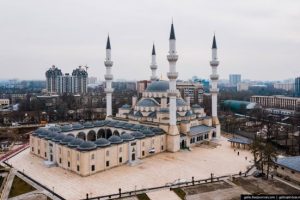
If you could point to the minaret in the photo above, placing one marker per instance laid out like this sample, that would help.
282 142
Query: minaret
153 65
173 138
108 79
214 88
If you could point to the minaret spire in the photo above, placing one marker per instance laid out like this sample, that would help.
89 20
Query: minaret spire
214 77
108 79
173 133
153 65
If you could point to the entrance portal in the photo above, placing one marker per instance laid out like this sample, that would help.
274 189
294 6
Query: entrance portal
133 157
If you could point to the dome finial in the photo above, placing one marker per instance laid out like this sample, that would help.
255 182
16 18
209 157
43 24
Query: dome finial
108 43
214 45
172 33
153 49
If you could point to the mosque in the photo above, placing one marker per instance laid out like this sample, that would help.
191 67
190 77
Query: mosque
157 122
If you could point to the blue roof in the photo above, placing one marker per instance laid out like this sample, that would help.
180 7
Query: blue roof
158 86
200 129
138 114
148 102
292 162
180 102
114 139
102 142
87 146
126 106
240 140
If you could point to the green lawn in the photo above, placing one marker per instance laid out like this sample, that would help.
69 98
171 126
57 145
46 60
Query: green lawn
142 196
19 187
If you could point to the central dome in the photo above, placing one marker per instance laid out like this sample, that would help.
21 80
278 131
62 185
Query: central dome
158 86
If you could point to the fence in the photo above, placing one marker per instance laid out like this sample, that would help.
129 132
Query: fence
169 186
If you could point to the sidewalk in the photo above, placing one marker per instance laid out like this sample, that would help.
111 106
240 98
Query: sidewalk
163 194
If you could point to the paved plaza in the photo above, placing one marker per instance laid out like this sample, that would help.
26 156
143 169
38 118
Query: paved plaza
153 171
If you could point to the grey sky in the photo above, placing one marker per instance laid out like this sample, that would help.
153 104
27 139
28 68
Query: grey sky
258 38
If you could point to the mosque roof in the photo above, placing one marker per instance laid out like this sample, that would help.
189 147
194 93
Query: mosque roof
180 102
127 137
77 126
138 135
138 114
102 142
148 132
66 140
153 50
99 123
126 106
199 130
51 135
75 143
66 128
172 33
55 129
292 162
108 43
214 45
189 113
152 114
87 146
114 139
158 86
157 130
58 137
88 125
147 102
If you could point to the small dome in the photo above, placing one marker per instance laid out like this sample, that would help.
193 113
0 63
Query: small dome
102 142
66 128
77 126
147 102
157 130
58 137
136 127
114 139
88 125
38 131
75 143
138 135
99 123
66 140
87 146
51 135
158 86
44 133
55 129
188 113
148 133
112 123
127 137
138 114
128 126
126 106
119 124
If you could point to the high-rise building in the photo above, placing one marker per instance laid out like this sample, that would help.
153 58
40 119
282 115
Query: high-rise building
57 83
234 79
297 86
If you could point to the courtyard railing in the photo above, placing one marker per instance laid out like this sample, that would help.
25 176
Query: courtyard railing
170 186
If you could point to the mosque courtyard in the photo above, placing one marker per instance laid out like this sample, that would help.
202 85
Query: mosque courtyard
153 171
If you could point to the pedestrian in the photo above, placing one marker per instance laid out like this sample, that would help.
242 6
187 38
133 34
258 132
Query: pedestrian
238 153
245 157
234 149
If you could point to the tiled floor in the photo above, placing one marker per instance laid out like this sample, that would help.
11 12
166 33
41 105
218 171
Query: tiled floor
153 171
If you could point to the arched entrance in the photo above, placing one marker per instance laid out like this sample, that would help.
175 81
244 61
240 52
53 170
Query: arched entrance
91 136
101 133
116 133
81 135
71 134
214 134
108 133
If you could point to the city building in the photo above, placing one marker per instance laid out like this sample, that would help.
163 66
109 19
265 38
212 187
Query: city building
242 87
284 86
59 83
92 80
297 86
234 79
192 90
4 102
288 167
141 86
160 120
276 101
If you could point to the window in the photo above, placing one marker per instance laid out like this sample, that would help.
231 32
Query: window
69 164
282 168
93 156
60 160
162 147
32 148
93 168
143 153
292 172
107 153
120 160
45 154
78 168
120 149
107 163
39 151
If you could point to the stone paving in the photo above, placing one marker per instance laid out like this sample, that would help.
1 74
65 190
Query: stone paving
163 194
153 171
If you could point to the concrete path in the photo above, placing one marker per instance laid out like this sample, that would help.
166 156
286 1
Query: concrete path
163 194
8 184
287 182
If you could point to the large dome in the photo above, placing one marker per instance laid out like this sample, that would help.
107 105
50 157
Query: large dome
158 86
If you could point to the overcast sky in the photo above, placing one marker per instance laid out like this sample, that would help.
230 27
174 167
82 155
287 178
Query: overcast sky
259 39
